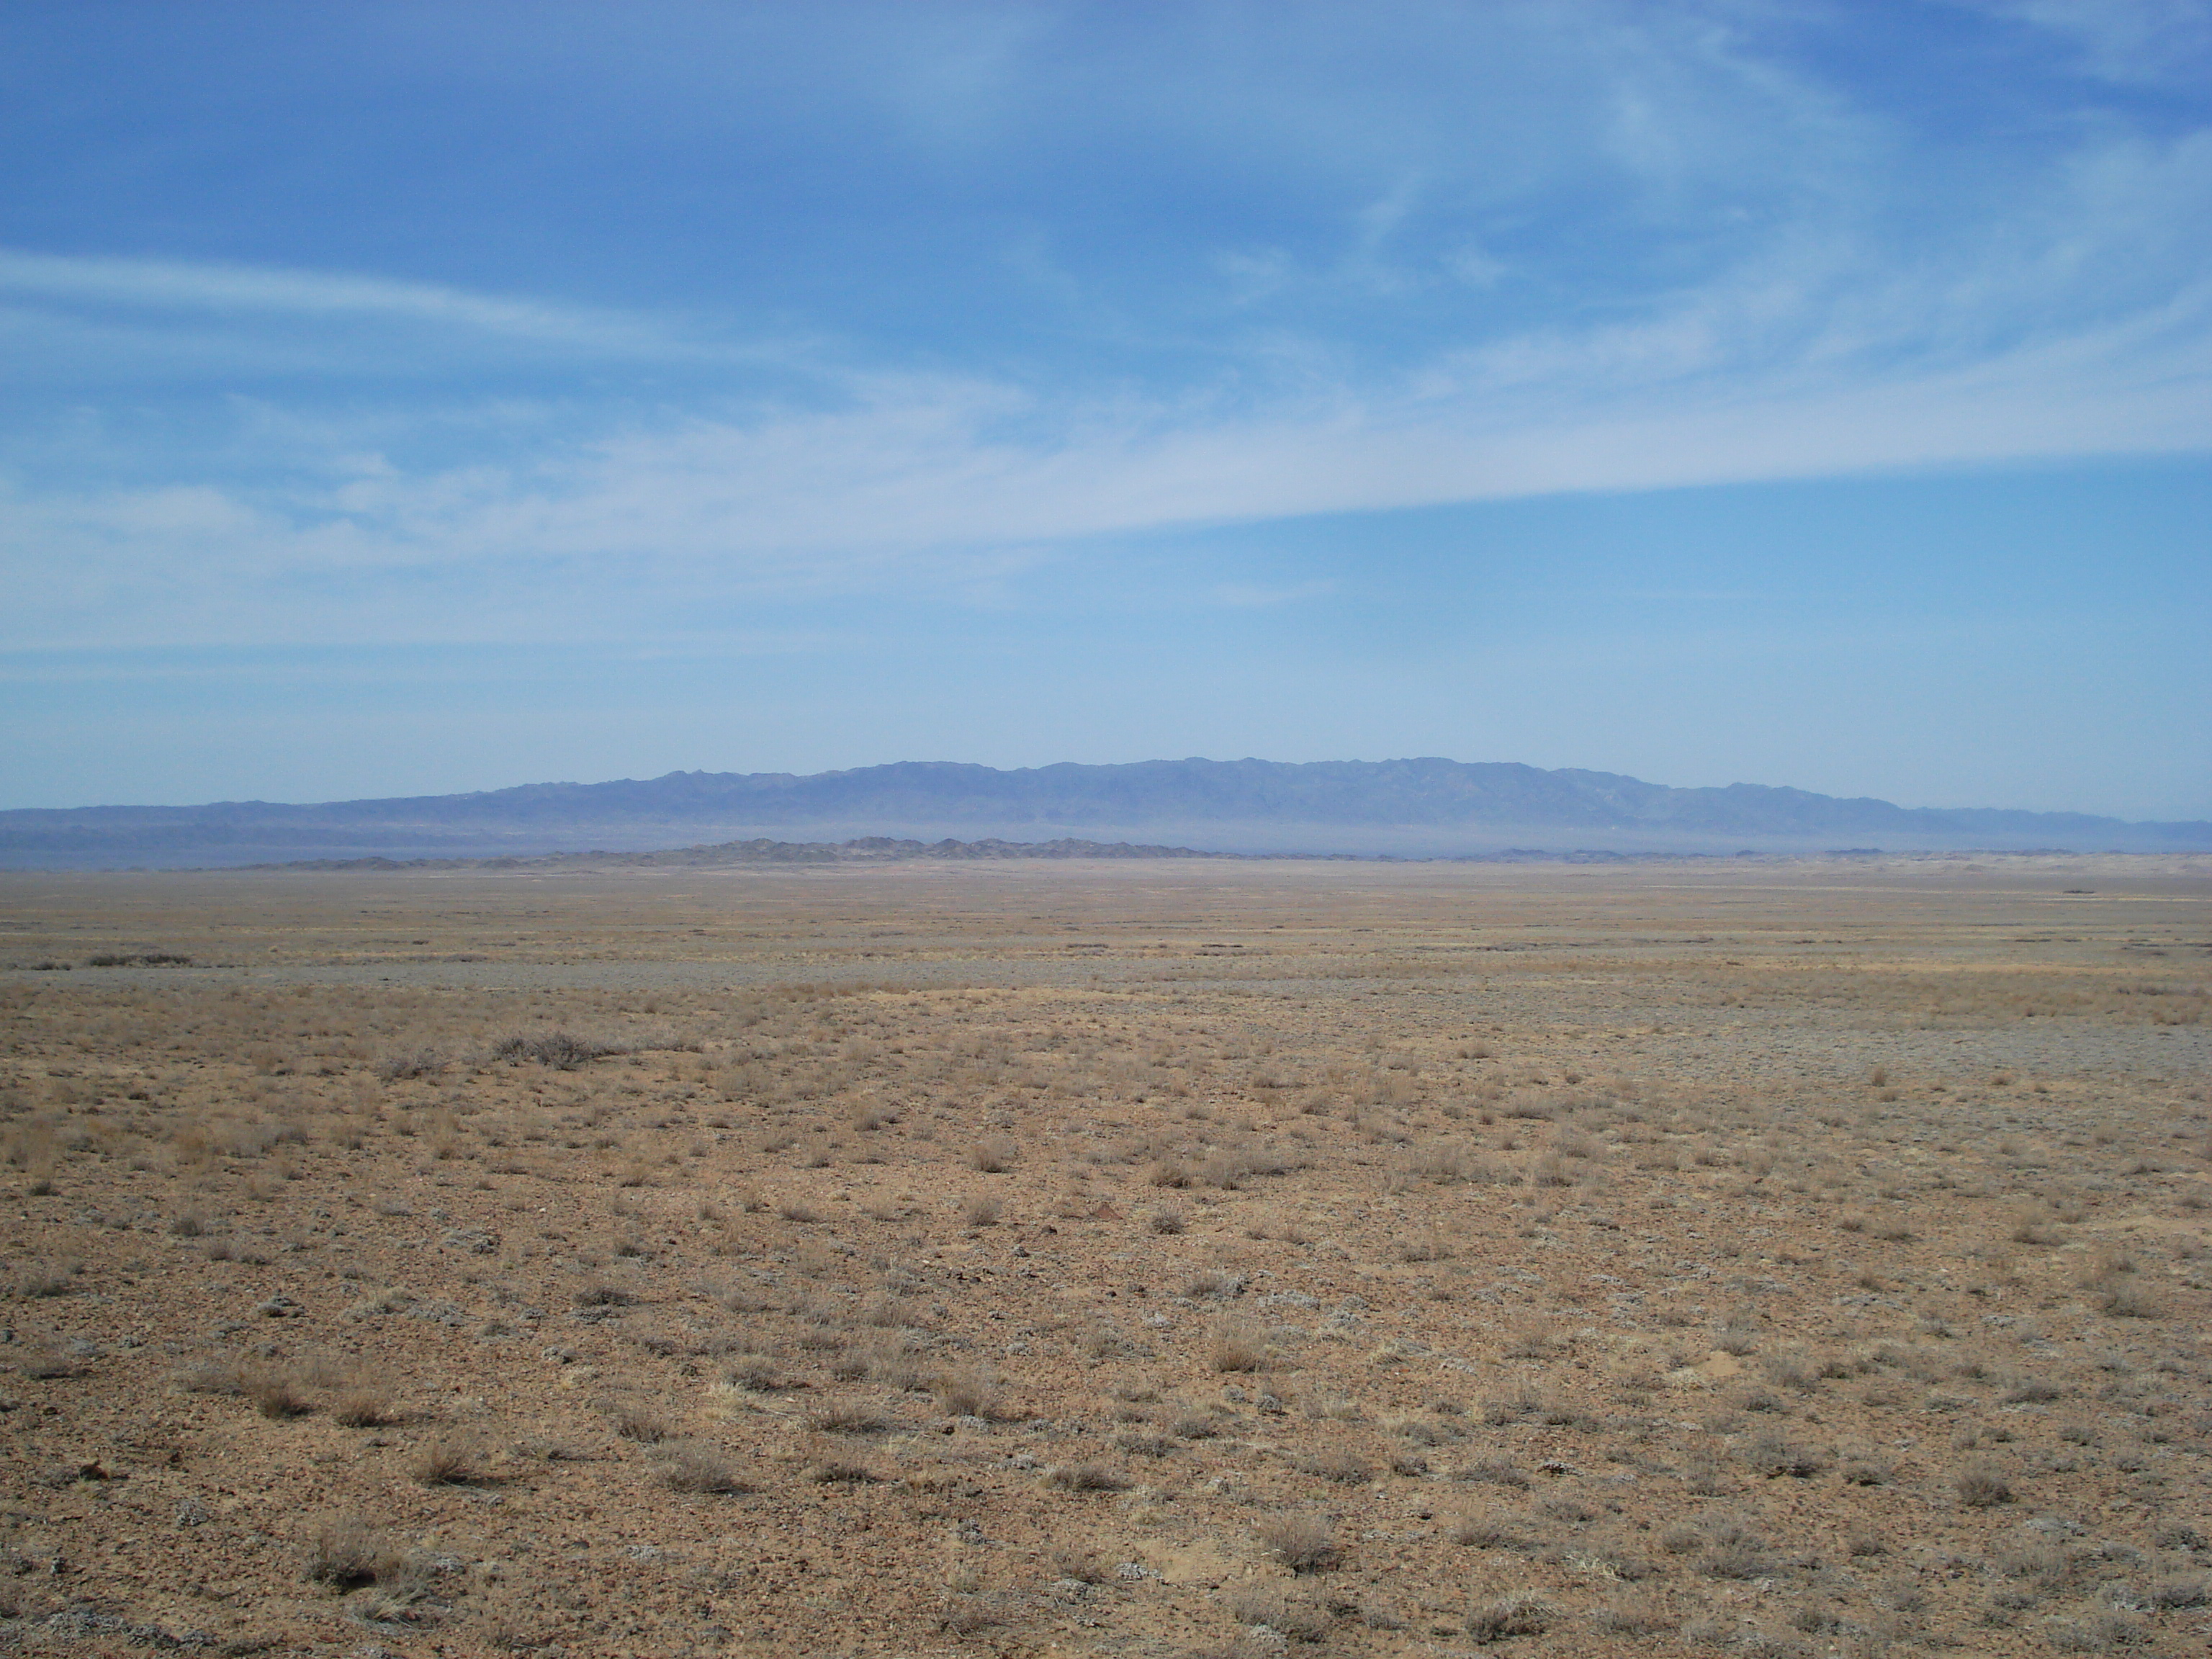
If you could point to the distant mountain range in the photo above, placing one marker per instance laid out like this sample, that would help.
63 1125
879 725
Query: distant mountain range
1408 808
867 849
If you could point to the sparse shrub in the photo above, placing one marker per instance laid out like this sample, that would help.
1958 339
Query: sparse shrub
847 1416
361 1403
2127 1298
560 1050
1301 1540
1345 1469
345 1551
1070 1561
641 1423
982 1212
970 1615
1276 1608
447 1460
963 1393
2099 1633
1642 1614
1980 1486
993 1157
277 1394
1524 1614
1495 1470
1085 1477
1737 1340
1511 1409
884 1311
688 1466
1237 1346
1735 1550
415 1063
1530 1341
1487 1529
1774 1454
222 1377
1791 1371
43 1279
1167 1219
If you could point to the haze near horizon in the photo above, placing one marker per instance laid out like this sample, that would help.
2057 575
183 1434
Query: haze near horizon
408 400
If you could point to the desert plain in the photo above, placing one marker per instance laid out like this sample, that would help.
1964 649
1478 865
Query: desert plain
1151 1258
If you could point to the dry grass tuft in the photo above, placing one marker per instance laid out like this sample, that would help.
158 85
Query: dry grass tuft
1980 1486
360 1402
278 1393
560 1050
982 1212
448 1461
1301 1540
1237 1345
344 1552
1524 1614
1277 1609
1085 1477
965 1393
688 1466
43 1279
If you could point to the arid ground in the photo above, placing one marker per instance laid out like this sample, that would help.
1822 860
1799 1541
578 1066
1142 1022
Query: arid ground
1146 1259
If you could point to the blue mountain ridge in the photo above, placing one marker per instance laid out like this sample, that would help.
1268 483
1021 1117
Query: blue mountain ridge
1426 803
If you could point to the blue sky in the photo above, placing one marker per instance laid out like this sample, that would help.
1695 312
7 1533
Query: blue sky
404 399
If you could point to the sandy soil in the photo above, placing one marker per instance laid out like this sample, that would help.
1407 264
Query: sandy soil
1151 1259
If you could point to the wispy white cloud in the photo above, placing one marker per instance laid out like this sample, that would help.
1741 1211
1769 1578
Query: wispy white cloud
135 299
178 284
1816 328
941 482
2148 42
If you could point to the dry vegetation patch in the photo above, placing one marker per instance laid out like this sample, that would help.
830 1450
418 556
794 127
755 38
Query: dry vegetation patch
1379 1259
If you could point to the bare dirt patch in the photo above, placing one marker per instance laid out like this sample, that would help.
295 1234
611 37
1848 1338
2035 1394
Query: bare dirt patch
1146 1260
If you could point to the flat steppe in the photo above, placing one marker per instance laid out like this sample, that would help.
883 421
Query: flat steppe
1148 1258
